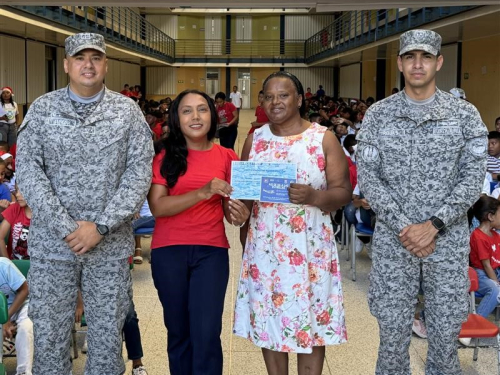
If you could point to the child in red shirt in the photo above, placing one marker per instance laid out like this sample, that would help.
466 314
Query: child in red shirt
17 218
262 118
227 115
485 253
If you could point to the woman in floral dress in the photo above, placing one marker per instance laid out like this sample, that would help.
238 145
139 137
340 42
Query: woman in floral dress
289 295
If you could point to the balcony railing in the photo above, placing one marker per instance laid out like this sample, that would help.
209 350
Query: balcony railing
118 25
357 28
239 50
124 27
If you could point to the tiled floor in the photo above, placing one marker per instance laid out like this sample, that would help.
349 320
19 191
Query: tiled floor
357 357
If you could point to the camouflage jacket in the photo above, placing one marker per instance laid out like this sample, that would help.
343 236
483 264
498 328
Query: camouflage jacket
95 169
414 165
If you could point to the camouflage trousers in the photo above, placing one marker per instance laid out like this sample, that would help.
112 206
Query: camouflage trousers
106 291
392 297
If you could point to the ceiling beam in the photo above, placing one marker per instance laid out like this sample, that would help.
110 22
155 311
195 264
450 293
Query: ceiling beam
319 5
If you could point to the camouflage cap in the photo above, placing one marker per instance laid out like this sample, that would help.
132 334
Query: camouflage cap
421 40
78 42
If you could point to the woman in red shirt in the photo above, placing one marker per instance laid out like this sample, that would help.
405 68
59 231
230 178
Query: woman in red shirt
262 118
189 197
228 121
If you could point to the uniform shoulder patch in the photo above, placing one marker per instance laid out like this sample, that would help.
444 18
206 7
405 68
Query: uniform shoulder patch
478 146
369 154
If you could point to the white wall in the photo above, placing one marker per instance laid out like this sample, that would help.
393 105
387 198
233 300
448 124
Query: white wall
120 73
349 84
161 80
61 76
12 66
167 24
313 77
36 70
446 78
304 26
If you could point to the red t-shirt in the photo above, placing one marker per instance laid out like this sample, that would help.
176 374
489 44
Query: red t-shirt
484 247
225 112
157 129
353 172
15 215
261 117
202 224
126 93
13 150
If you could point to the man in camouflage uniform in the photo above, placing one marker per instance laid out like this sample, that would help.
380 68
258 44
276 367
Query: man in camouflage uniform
422 160
84 166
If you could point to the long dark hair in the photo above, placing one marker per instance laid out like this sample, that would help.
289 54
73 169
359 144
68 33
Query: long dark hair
3 101
485 205
175 161
296 83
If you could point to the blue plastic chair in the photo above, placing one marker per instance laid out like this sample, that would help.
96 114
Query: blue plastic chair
4 317
359 230
493 185
144 231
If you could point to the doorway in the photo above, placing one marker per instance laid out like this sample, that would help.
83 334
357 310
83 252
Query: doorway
244 87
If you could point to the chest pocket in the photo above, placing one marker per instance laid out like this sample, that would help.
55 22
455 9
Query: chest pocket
394 152
110 141
440 152
107 135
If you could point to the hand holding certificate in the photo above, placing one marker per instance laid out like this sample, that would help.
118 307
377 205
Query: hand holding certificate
267 182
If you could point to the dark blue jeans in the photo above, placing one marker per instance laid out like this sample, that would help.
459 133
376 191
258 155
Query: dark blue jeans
228 136
132 334
191 281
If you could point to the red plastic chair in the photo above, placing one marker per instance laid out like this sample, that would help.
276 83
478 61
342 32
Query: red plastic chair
476 327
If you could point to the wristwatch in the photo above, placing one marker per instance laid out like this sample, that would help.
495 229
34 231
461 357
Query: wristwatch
438 224
102 229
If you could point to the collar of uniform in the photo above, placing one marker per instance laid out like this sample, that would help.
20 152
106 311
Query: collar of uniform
106 102
439 109
104 105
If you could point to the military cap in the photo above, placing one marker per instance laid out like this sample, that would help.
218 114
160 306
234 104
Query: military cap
78 42
421 40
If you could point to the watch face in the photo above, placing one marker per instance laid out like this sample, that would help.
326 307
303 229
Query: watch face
438 224
102 229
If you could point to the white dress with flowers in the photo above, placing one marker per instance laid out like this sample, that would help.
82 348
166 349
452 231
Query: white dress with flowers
289 294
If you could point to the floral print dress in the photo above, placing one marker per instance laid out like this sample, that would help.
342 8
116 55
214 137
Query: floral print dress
289 294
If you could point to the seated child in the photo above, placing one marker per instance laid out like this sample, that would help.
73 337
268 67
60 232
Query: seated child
16 223
5 194
13 284
485 253
10 176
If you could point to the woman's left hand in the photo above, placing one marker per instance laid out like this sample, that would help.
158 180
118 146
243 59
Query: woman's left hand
239 212
301 194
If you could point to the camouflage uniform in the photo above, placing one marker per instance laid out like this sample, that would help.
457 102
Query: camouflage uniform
415 162
93 168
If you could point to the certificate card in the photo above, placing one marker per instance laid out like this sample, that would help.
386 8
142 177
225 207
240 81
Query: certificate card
275 190
246 177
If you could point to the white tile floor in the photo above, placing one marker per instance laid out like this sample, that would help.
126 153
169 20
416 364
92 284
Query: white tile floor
357 357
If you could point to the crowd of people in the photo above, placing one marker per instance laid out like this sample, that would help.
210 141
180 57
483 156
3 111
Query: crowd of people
77 207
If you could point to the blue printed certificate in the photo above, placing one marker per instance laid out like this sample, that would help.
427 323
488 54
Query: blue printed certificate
275 190
247 176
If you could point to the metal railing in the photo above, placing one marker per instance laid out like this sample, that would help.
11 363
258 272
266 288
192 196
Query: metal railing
357 28
236 49
118 25
353 29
